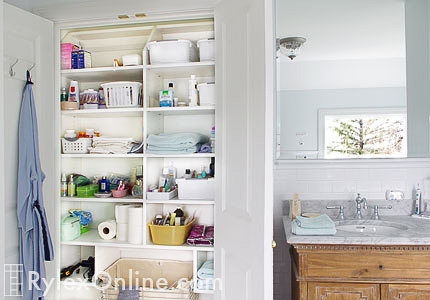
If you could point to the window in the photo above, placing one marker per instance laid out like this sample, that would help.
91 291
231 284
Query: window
375 133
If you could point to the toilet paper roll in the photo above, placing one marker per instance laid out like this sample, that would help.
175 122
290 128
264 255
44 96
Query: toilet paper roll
121 212
107 229
122 232
135 226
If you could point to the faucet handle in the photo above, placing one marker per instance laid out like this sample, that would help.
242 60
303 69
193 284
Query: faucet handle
376 209
341 209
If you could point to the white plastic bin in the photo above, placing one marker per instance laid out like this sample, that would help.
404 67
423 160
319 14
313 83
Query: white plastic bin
207 93
122 94
161 195
80 146
173 51
196 188
207 49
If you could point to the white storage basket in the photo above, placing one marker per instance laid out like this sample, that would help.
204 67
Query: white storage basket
196 189
173 51
207 93
80 146
207 49
122 94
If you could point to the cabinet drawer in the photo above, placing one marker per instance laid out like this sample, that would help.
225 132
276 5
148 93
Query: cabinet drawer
369 265
405 292
345 291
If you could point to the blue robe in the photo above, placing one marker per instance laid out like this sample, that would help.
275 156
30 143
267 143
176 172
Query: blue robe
35 240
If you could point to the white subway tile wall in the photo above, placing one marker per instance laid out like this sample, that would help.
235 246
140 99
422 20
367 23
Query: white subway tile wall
333 180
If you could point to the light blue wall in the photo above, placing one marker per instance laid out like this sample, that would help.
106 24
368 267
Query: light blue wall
299 110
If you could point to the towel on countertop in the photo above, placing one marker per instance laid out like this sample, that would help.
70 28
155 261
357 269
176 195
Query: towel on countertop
322 221
321 225
127 294
205 148
206 270
176 141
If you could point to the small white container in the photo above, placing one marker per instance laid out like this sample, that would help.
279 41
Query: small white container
122 94
80 146
176 51
132 60
207 93
207 49
161 196
196 188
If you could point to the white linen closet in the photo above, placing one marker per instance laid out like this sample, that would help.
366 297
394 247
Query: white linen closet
243 117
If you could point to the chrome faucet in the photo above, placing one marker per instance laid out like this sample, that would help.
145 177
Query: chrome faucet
359 202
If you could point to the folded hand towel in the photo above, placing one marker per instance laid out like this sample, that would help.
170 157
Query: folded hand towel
177 140
205 284
159 150
206 270
205 148
319 222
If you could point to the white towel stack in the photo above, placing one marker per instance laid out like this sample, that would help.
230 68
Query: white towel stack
110 145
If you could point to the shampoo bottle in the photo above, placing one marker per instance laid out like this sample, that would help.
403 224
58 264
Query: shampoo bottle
418 200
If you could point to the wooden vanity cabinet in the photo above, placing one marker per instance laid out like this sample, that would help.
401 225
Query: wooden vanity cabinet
344 272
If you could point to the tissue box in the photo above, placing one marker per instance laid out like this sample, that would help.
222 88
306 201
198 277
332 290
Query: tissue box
66 55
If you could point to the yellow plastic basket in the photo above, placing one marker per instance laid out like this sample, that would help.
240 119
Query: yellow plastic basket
170 235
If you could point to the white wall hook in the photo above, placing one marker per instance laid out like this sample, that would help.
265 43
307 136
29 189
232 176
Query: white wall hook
11 71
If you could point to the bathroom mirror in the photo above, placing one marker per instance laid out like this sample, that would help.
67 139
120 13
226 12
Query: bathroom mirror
344 95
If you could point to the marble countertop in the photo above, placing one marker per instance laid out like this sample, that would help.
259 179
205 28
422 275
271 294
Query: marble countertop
417 233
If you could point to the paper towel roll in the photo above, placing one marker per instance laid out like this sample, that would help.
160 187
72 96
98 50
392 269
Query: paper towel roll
135 226
121 232
121 213
107 229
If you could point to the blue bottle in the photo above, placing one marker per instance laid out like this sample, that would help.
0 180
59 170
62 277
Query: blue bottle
104 185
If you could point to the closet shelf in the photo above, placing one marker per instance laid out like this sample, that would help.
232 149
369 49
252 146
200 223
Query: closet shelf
140 155
92 238
188 110
127 199
105 113
105 74
177 201
191 155
183 70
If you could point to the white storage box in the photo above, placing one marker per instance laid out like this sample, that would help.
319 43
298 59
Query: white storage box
207 93
132 60
161 196
174 51
80 146
196 188
122 94
207 49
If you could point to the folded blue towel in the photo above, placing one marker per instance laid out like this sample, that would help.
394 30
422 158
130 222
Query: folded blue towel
160 150
176 140
127 294
205 284
321 225
322 221
206 270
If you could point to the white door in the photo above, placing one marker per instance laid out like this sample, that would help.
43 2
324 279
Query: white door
244 126
28 40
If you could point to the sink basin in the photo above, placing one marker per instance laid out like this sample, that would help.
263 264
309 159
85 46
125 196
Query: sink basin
370 226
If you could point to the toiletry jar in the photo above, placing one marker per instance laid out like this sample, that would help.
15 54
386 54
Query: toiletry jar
196 188
70 227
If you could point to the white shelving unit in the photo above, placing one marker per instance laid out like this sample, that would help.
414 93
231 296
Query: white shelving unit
107 43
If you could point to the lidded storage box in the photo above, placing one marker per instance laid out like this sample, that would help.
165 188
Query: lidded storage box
207 93
207 49
70 227
196 188
172 51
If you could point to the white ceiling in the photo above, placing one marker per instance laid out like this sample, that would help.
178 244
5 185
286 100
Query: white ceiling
75 10
344 29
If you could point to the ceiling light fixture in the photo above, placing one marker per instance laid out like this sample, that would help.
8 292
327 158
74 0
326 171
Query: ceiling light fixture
290 46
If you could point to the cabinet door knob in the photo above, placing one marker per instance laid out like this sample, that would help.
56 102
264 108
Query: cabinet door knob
273 244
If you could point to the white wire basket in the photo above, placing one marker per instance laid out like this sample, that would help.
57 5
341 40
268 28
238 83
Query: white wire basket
123 94
80 146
